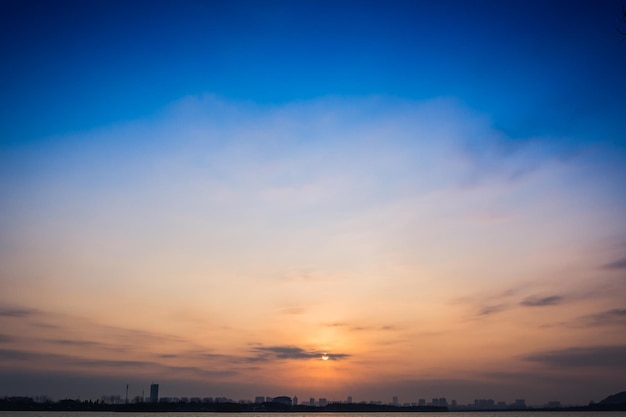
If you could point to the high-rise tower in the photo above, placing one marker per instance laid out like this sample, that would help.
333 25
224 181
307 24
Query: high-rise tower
154 393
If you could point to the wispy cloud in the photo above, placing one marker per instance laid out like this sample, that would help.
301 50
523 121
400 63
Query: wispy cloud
24 355
71 342
608 317
492 309
534 301
266 353
60 361
292 310
362 327
617 264
17 312
577 357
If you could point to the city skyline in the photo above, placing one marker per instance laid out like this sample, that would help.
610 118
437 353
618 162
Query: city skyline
323 198
154 397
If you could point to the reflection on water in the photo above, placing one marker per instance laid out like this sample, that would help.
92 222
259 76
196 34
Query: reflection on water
454 414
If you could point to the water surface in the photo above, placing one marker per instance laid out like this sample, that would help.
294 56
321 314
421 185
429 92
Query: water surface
200 414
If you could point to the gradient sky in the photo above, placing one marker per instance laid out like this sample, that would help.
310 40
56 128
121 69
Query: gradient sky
211 195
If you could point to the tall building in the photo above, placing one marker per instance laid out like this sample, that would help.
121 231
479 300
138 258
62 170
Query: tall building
394 401
154 393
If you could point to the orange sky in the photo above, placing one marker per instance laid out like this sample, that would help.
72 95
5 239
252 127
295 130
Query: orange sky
424 266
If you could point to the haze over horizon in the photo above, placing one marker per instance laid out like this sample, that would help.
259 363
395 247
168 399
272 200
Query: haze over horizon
212 195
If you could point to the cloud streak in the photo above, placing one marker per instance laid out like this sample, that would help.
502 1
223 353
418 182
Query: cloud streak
535 301
604 318
267 353
616 265
17 312
611 357
42 360
493 309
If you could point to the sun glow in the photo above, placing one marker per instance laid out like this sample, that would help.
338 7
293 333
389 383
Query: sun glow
325 356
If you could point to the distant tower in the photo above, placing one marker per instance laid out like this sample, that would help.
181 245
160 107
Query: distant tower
294 401
154 393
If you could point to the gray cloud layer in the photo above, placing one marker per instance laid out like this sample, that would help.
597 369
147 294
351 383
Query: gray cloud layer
590 356
16 312
266 353
14 355
608 317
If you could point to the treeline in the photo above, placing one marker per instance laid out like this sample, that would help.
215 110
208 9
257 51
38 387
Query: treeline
28 404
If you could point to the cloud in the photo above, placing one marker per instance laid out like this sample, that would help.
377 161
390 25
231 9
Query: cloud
608 317
611 357
493 309
107 363
266 353
44 359
618 264
19 355
534 301
360 328
65 360
292 310
17 312
70 342
338 324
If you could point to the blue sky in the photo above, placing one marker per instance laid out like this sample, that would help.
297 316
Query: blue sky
534 67
212 194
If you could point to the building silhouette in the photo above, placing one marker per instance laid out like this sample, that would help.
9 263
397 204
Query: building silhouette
154 393
283 399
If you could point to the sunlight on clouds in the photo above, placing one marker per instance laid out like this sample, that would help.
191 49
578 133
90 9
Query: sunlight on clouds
230 224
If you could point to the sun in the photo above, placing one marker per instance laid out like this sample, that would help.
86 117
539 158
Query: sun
325 356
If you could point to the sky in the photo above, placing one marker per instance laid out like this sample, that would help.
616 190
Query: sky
213 195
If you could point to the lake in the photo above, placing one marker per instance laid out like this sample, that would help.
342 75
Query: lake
455 414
